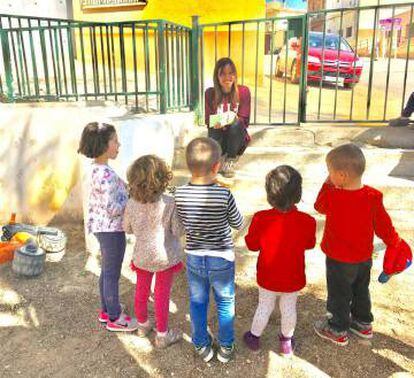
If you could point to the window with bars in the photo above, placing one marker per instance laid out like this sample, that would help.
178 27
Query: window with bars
93 4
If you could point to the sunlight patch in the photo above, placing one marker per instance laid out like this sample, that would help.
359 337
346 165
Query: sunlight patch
7 319
397 358
10 297
289 367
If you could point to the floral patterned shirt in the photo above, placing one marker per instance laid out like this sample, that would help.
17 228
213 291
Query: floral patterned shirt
108 196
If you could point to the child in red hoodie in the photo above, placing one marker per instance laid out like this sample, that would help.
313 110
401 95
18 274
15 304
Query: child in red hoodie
281 235
354 213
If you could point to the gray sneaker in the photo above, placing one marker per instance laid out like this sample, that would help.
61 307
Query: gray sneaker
399 122
205 352
143 330
172 337
228 169
225 354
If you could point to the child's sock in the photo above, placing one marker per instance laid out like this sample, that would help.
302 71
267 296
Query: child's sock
162 334
145 324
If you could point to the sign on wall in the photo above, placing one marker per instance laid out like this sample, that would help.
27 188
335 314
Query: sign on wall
96 4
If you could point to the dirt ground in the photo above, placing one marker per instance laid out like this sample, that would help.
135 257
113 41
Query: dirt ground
48 327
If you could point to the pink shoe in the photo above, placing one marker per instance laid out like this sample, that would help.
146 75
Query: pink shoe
123 324
103 317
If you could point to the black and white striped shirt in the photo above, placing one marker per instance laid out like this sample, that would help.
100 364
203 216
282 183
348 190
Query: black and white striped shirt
207 213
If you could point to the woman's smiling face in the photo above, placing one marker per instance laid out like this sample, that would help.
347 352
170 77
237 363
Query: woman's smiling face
226 78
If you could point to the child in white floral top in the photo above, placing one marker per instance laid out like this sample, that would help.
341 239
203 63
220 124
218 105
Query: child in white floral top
106 204
151 216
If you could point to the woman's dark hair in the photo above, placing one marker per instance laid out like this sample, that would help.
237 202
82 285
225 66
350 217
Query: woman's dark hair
218 93
148 177
283 187
95 139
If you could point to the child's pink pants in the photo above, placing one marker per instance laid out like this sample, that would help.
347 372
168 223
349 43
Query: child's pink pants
163 283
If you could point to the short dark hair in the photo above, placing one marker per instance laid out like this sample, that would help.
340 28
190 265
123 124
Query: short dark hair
283 187
95 139
148 177
201 155
347 157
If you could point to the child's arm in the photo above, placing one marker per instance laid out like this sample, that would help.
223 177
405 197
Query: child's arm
233 214
111 198
252 237
383 225
127 220
312 234
321 204
177 227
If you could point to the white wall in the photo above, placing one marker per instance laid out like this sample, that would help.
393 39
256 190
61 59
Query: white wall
39 8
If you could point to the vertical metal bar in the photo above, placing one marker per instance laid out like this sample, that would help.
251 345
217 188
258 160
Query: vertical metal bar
147 66
5 46
162 67
188 67
243 35
285 77
108 51
183 73
177 59
59 77
157 66
371 70
195 64
229 40
71 58
85 83
215 43
25 60
53 59
201 84
255 72
407 58
173 77
322 66
123 63
15 63
338 61
103 61
389 66
271 72
304 70
44 58
356 54
96 61
168 85
134 53
93 56
114 63
33 56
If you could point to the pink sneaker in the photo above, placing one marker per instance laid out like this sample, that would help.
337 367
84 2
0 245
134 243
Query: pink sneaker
103 317
123 324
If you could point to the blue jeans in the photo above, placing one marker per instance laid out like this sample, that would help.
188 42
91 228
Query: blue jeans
112 246
203 272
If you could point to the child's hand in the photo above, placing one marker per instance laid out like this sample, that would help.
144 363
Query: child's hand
218 126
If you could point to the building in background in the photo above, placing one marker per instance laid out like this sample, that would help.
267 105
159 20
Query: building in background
37 8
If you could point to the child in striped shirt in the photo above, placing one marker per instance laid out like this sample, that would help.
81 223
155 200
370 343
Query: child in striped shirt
208 211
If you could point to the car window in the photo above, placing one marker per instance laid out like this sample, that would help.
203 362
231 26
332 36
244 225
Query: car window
331 42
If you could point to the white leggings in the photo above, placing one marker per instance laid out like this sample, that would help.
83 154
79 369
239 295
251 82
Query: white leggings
287 306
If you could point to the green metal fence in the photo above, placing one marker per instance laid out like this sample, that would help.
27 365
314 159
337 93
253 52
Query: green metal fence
144 64
335 65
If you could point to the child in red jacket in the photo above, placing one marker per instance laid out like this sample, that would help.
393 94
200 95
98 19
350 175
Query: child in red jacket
354 213
281 235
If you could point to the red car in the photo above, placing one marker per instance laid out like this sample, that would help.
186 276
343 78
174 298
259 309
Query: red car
348 67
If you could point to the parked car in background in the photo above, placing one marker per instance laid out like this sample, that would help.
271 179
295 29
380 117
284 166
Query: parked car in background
340 62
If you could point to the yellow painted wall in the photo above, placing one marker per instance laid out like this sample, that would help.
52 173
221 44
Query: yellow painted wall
180 12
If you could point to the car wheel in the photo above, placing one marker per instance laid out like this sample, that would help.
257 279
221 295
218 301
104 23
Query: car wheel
279 72
293 73
349 85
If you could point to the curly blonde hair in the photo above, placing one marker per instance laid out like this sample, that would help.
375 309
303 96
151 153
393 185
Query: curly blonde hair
148 177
